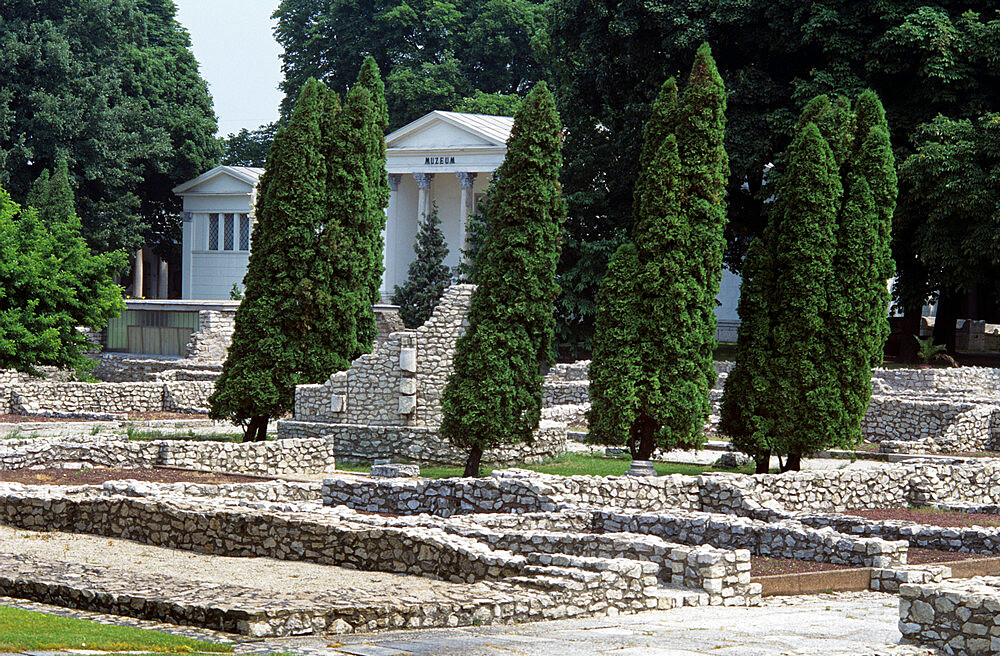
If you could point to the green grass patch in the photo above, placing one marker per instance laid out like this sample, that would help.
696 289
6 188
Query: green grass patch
572 464
146 435
725 352
24 630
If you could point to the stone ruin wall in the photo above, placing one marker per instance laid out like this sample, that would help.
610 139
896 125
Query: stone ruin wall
388 404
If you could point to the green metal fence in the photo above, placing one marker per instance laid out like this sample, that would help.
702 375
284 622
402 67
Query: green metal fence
151 332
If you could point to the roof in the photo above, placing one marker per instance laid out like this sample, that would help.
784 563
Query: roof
248 174
494 129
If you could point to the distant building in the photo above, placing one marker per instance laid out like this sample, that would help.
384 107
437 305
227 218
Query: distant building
445 158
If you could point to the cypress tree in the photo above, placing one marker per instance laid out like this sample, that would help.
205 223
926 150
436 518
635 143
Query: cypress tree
52 195
495 392
701 134
369 240
804 390
745 411
679 213
263 366
338 290
428 277
615 362
874 162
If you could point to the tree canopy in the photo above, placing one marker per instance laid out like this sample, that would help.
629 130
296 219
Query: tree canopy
111 87
434 53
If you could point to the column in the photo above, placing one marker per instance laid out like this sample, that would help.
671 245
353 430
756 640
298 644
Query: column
423 193
465 180
389 250
161 280
137 275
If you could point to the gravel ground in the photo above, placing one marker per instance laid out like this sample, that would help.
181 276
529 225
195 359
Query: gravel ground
261 573
927 516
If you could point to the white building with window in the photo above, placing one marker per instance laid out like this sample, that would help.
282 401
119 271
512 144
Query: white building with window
215 247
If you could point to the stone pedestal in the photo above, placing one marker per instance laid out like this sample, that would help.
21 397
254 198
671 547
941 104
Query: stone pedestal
641 468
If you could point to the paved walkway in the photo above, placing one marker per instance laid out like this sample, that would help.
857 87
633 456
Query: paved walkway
838 624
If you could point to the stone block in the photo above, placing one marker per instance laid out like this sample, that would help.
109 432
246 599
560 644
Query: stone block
394 471
338 403
408 360
407 405
408 386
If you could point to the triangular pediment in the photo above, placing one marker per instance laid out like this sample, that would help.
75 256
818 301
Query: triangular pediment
222 180
452 130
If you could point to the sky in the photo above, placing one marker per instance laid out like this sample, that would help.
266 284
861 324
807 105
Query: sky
234 44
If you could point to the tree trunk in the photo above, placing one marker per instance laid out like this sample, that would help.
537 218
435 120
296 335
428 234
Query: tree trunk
472 463
641 443
793 462
762 462
910 328
944 323
257 429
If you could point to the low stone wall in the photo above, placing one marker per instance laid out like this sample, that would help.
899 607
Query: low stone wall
781 539
957 617
254 458
970 539
556 393
949 424
126 368
364 443
90 399
979 381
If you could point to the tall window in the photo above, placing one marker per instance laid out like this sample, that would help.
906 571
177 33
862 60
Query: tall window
228 243
213 232
244 232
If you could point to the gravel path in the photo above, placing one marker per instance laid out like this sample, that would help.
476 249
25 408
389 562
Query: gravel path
261 573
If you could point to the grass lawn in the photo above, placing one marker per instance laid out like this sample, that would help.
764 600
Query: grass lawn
571 464
23 630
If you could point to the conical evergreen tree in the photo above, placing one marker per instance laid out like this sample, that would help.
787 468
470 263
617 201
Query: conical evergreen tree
804 390
495 392
428 277
679 213
52 195
615 365
277 314
345 328
745 411
369 237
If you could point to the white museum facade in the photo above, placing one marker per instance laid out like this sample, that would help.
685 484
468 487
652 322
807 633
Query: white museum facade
442 158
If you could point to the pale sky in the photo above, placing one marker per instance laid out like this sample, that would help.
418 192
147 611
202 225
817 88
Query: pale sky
234 44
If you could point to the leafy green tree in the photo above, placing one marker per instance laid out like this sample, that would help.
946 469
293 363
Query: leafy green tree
428 277
494 394
50 282
492 104
277 313
949 207
680 214
249 147
434 52
111 87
